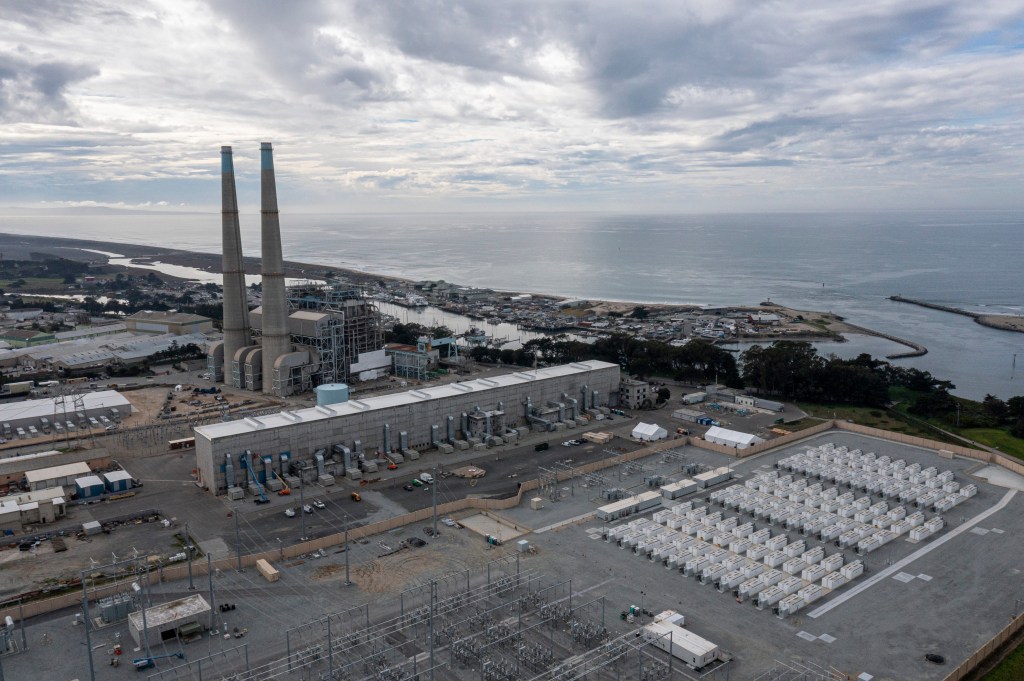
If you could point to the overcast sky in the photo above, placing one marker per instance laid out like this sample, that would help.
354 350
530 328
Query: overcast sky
626 106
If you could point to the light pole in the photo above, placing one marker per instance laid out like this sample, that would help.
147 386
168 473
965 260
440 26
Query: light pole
302 508
188 551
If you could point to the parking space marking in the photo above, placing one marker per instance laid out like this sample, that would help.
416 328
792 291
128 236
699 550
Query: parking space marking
899 565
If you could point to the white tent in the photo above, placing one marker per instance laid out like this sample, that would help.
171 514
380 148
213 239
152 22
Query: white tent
731 438
649 432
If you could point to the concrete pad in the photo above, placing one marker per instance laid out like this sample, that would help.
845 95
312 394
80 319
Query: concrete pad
1000 477
490 525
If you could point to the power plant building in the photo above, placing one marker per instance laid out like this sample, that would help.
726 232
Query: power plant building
336 439
300 337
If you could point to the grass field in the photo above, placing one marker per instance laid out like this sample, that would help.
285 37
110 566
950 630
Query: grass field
34 284
1010 669
1000 439
867 416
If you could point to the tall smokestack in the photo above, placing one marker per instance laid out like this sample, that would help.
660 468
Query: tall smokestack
236 310
276 340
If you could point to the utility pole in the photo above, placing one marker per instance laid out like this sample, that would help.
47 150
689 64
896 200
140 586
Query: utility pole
188 550
433 494
348 582
145 626
302 508
209 575
238 542
432 591
88 636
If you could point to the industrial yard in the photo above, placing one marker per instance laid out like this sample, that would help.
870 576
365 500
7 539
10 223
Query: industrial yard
508 611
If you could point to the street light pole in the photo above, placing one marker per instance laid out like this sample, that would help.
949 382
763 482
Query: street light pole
188 550
302 508
348 582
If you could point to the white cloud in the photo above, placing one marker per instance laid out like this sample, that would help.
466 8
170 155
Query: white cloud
584 104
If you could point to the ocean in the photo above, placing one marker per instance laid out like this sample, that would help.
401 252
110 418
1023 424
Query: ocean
847 263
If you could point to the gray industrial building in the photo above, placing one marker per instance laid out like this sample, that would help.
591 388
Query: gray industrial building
300 337
255 451
59 415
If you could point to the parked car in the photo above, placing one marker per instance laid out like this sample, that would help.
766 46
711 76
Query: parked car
307 508
290 512
408 488
319 504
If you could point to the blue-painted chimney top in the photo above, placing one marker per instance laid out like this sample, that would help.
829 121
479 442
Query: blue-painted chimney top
226 164
266 156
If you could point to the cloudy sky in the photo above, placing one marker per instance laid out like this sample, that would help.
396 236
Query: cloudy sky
406 105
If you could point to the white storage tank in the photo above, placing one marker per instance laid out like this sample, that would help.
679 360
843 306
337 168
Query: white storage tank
331 393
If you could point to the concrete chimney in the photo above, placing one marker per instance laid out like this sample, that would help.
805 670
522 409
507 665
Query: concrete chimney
236 309
276 340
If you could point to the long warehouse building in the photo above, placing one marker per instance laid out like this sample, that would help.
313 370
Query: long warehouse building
413 419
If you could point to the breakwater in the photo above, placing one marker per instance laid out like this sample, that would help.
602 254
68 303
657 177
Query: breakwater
993 321
916 349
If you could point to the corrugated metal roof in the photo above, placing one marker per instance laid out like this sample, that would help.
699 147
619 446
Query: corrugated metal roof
50 407
68 469
88 481
356 406
114 476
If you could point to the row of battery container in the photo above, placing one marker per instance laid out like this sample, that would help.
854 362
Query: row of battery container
849 521
736 558
770 486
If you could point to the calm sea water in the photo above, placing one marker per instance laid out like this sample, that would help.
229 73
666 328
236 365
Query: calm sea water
846 263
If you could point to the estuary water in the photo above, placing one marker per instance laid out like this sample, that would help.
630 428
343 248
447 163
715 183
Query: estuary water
847 263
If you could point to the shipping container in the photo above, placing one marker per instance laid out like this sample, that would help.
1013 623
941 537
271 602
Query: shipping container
795 548
791 585
852 570
714 477
750 588
267 570
757 551
774 559
789 605
793 566
833 562
812 573
682 644
769 597
834 580
711 573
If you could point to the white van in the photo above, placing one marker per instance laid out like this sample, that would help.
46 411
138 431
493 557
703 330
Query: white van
427 478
